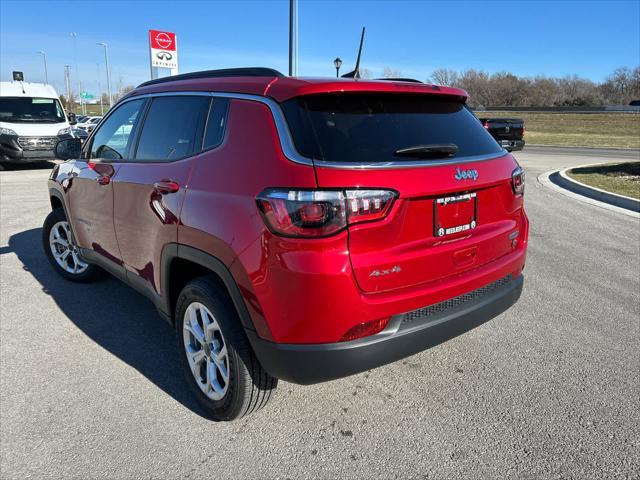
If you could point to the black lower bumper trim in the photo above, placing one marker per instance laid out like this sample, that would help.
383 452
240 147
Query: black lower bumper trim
515 145
314 363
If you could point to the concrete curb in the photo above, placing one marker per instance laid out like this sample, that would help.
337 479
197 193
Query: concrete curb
570 188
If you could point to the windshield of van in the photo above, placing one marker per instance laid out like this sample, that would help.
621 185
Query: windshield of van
382 127
30 110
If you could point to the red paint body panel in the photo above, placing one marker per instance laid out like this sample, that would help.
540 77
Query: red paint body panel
90 207
406 238
220 213
145 218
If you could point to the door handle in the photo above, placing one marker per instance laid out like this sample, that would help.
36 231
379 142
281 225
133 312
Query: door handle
104 180
166 186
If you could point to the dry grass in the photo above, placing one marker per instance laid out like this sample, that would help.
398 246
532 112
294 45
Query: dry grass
621 178
619 130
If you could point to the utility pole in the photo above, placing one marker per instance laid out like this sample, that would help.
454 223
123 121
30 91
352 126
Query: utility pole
106 61
44 57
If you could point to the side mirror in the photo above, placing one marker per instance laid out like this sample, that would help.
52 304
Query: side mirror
69 148
72 118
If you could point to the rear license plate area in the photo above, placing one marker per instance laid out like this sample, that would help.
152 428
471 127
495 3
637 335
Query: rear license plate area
455 214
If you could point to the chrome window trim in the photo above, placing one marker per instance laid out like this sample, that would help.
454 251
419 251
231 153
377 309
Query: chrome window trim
288 146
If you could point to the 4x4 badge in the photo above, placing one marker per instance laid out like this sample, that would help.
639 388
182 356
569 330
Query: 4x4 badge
471 174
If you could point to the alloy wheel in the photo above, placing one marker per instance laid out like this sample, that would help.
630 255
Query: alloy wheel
206 351
64 249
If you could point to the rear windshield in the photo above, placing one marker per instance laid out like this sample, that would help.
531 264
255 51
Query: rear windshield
369 128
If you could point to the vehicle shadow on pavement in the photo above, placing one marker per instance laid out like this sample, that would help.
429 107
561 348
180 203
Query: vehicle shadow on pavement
114 316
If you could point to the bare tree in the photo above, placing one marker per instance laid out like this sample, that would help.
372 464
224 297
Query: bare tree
70 103
388 72
122 91
506 89
576 91
365 73
478 85
542 91
622 86
445 76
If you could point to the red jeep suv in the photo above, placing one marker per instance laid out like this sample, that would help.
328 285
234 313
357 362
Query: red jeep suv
292 228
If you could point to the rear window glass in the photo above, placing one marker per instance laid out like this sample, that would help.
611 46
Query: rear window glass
369 128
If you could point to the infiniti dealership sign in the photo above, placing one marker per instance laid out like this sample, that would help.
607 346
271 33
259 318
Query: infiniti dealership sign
163 49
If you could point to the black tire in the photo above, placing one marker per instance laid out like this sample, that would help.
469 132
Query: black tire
90 274
249 386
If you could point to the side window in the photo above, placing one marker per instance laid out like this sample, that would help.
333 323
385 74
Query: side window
216 123
113 139
173 128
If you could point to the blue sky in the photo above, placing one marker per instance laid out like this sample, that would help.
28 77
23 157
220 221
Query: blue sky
556 38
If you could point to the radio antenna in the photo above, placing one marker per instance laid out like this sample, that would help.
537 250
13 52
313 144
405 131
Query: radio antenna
356 72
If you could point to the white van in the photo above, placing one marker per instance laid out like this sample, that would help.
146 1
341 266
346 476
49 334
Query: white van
32 121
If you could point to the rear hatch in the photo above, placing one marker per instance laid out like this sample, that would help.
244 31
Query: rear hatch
453 212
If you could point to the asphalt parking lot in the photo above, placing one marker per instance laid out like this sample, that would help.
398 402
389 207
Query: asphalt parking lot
90 385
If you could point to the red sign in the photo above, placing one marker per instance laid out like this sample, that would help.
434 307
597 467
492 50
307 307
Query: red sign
162 40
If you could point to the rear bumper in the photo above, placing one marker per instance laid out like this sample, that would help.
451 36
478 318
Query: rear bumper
512 145
405 335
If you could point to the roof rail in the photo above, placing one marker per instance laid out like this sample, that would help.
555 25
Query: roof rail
412 80
226 72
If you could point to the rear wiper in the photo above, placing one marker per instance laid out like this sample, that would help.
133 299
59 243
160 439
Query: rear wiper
432 150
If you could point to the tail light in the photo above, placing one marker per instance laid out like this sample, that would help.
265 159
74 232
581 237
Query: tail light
517 181
486 125
321 213
368 205
523 131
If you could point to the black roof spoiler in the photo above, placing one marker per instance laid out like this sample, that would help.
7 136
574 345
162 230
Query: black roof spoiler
226 72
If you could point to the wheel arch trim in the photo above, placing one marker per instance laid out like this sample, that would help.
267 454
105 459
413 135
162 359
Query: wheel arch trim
174 251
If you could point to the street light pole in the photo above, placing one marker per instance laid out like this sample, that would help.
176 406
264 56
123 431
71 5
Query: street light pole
290 38
99 89
295 58
337 63
44 57
74 35
106 61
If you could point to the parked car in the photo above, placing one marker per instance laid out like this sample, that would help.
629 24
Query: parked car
302 230
508 132
32 120
92 123
89 123
79 133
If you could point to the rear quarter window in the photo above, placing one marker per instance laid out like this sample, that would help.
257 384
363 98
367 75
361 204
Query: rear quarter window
369 128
